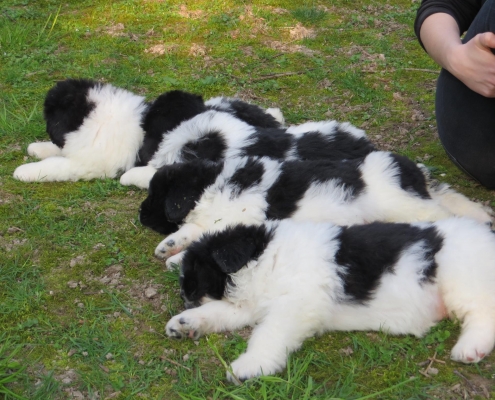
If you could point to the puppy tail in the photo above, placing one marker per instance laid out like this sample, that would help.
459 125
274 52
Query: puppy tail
458 204
277 114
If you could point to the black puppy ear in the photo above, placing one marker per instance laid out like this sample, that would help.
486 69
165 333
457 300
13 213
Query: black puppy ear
186 184
180 201
233 256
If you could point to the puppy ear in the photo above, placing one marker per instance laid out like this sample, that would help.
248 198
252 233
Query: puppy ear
186 184
233 256
179 202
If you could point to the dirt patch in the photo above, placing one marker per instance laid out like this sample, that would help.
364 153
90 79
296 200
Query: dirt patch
197 50
148 293
9 246
290 48
470 387
185 13
277 10
299 32
111 277
249 95
161 49
257 24
368 62
8 198
115 30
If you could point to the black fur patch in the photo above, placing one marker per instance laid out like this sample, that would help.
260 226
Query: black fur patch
342 145
164 114
368 251
273 143
247 176
411 177
208 262
210 147
66 106
251 114
297 176
173 193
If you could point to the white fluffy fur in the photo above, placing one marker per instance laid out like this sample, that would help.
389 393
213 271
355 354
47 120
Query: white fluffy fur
43 150
325 127
105 145
235 132
293 291
225 103
138 176
382 200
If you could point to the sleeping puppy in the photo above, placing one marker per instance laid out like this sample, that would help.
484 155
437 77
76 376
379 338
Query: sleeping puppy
100 131
201 196
292 280
202 192
217 135
95 132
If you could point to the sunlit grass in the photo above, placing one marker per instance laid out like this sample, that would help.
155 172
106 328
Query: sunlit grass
74 259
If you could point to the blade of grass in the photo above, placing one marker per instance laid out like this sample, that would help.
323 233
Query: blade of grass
55 20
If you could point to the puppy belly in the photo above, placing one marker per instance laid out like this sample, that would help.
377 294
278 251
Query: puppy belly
396 316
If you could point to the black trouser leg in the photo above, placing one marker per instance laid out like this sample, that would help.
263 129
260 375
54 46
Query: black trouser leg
465 119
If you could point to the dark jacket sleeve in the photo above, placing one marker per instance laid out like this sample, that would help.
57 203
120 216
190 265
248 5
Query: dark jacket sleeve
463 11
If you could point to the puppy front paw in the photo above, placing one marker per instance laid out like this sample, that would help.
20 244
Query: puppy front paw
472 347
249 366
182 326
468 352
175 261
168 247
138 176
28 173
43 150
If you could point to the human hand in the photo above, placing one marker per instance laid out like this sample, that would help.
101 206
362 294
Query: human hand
473 63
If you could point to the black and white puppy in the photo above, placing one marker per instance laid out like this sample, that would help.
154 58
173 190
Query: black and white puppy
201 196
216 135
100 131
292 280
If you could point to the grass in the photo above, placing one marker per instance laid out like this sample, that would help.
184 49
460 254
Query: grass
75 263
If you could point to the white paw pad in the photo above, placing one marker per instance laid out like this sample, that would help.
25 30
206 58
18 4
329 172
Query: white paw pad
472 348
182 326
168 248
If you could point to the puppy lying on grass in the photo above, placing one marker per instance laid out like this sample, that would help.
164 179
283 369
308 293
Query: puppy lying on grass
216 135
186 199
292 280
100 131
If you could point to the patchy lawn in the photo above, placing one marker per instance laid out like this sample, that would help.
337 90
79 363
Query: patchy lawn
83 302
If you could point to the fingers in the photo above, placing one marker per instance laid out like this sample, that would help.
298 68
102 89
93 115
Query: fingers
486 39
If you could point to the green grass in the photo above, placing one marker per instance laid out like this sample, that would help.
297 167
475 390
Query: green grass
74 260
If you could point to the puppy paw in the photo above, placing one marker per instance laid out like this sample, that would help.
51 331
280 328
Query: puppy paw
249 366
174 262
182 326
167 248
28 173
43 150
472 347
138 176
